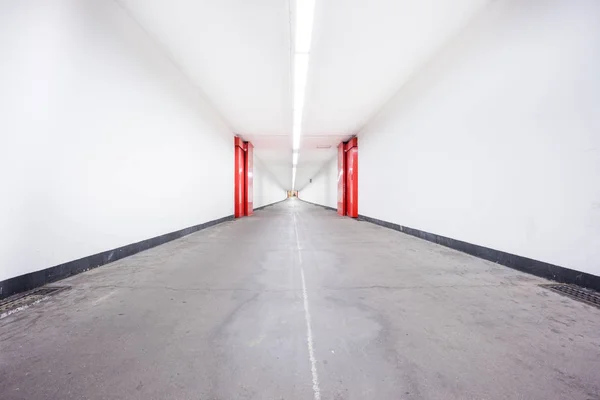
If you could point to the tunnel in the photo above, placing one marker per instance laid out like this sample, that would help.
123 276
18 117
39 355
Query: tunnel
301 199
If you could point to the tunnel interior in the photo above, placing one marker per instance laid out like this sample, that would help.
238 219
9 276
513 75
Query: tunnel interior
184 215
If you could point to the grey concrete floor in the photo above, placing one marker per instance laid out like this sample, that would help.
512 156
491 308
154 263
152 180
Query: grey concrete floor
221 314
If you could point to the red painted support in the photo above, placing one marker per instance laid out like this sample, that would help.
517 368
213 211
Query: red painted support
239 197
341 180
249 178
352 178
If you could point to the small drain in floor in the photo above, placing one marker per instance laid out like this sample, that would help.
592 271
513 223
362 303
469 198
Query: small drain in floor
585 295
22 300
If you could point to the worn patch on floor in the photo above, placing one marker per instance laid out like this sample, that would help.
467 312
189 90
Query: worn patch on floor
584 295
21 301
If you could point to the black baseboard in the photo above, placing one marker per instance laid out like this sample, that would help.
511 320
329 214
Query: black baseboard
52 274
268 205
320 205
524 264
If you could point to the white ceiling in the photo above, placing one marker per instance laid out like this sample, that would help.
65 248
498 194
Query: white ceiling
313 154
276 153
238 53
363 51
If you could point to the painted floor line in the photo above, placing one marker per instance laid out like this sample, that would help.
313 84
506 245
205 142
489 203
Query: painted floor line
309 335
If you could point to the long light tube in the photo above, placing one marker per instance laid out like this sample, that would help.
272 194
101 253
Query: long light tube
300 73
293 177
305 10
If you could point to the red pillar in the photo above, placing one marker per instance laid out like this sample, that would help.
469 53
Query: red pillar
239 181
352 178
249 179
341 180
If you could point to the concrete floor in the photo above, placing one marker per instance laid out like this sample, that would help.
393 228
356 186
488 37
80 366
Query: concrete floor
221 314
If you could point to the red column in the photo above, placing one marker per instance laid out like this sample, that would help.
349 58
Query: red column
352 178
341 180
239 181
249 178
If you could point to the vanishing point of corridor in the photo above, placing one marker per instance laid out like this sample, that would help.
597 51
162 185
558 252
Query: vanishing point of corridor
300 303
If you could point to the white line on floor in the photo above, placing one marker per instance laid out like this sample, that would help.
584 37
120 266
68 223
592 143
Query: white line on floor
309 335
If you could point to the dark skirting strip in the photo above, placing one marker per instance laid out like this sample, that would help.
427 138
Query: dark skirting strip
320 205
52 274
524 264
269 205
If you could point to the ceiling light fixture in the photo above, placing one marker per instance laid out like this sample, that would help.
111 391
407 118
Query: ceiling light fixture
298 117
293 177
300 71
305 10
296 137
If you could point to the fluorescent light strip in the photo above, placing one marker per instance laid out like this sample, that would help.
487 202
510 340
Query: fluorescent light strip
300 72
293 177
297 117
296 137
305 10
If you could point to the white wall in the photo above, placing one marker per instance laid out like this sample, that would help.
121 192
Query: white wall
497 141
323 189
102 142
266 189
